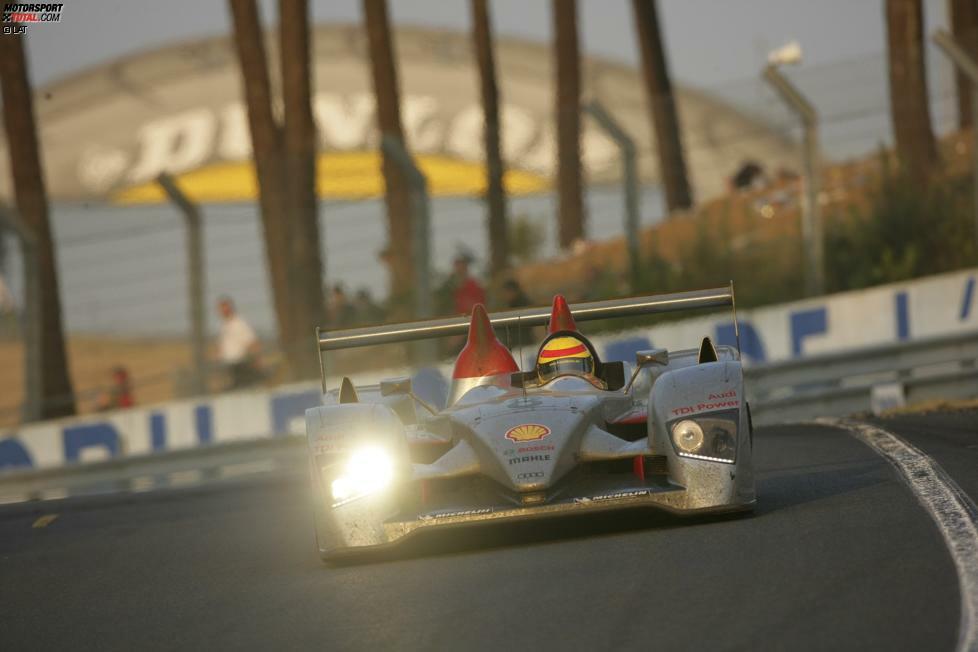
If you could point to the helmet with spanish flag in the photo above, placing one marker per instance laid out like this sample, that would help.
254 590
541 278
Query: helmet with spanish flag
565 353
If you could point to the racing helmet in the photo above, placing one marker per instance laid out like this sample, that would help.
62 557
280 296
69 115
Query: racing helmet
565 353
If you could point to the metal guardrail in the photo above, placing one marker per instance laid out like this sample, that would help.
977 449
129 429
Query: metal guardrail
842 383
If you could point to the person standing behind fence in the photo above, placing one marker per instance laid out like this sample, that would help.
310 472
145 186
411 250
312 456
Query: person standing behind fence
468 291
119 394
238 346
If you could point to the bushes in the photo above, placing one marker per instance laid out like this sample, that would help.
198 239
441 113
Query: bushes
904 232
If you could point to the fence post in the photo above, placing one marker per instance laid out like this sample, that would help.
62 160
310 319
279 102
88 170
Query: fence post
811 220
421 228
32 312
629 184
420 222
959 57
195 279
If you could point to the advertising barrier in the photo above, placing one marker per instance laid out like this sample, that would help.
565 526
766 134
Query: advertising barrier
940 305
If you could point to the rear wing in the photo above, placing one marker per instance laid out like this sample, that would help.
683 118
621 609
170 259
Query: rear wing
420 330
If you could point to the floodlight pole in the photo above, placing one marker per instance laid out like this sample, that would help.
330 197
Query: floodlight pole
969 67
629 183
811 221
420 221
421 235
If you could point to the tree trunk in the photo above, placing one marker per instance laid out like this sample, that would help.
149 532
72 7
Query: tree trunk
964 26
569 177
266 141
495 192
306 264
665 121
57 397
909 106
397 194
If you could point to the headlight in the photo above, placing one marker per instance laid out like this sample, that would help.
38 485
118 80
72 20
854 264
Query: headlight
712 438
367 471
688 436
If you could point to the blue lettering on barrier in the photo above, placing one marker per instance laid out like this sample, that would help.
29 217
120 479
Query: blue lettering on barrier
157 431
902 316
204 423
751 344
89 435
806 323
625 349
286 407
13 454
969 291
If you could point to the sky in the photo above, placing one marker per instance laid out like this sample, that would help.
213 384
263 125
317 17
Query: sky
709 42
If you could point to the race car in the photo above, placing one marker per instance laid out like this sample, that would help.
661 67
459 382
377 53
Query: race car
571 435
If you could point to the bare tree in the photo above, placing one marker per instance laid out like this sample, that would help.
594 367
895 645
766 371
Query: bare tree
909 106
495 192
568 108
662 103
397 196
306 267
964 26
57 397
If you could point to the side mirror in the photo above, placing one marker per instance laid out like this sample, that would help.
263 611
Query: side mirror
650 357
392 386
647 358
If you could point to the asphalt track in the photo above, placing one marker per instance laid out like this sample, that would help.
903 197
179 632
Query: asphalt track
838 555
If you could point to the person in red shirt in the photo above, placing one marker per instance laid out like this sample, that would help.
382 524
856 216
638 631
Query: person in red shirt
119 394
468 291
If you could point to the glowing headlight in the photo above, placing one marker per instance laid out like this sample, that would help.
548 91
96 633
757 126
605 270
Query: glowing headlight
688 436
367 471
710 437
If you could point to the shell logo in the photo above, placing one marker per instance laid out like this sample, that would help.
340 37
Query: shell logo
527 432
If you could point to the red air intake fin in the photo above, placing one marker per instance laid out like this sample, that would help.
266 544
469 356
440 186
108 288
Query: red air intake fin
560 316
483 354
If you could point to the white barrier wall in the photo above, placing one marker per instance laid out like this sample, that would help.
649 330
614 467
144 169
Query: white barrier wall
934 306
938 305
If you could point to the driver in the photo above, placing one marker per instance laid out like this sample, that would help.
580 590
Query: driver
566 354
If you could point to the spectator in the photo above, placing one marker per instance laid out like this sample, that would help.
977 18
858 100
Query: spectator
366 309
239 346
467 290
341 311
749 175
119 395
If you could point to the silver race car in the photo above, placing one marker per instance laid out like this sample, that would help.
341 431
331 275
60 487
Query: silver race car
569 436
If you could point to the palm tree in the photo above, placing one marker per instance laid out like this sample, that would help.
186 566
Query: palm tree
964 26
56 396
909 106
495 193
266 142
306 268
665 121
397 196
568 108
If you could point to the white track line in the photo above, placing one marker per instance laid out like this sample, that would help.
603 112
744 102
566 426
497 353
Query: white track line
953 511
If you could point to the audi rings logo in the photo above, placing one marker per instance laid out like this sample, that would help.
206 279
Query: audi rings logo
530 476
527 432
